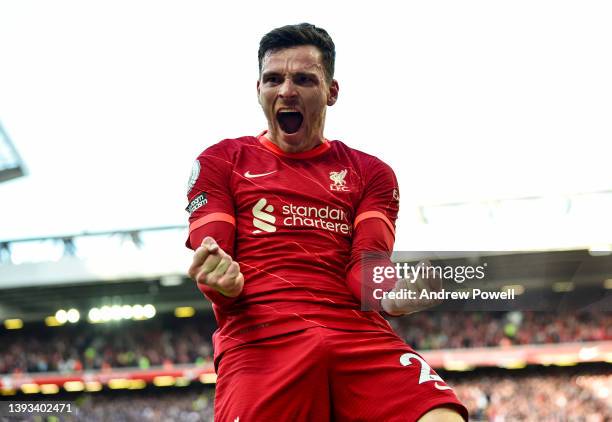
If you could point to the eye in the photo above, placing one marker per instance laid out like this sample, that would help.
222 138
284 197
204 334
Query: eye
272 79
304 80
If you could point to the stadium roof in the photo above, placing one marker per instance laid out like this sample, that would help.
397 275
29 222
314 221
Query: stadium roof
11 165
564 273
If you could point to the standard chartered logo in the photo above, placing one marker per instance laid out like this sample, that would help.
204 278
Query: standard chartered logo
262 217
326 218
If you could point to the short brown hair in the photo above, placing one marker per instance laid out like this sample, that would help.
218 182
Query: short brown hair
301 34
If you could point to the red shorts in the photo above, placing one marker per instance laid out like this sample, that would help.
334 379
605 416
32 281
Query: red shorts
321 374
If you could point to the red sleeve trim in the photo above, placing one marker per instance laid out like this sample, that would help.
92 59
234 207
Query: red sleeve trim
215 216
374 214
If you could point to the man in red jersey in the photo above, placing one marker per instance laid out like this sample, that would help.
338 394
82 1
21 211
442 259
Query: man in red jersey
279 223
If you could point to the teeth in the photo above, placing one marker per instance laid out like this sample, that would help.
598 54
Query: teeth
288 111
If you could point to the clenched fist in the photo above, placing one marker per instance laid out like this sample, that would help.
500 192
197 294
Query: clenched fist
215 268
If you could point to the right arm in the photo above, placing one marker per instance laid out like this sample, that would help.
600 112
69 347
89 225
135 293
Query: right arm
212 227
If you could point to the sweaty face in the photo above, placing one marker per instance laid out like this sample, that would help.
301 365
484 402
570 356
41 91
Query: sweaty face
294 95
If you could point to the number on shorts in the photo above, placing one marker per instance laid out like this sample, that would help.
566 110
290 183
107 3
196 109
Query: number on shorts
426 373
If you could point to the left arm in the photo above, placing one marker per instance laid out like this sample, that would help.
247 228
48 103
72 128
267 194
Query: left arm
372 245
373 232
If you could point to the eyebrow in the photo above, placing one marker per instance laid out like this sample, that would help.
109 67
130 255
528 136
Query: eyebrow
309 74
269 73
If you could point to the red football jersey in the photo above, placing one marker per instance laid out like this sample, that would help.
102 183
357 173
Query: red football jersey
294 217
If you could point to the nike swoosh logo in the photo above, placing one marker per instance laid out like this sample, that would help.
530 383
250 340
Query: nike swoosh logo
248 174
442 387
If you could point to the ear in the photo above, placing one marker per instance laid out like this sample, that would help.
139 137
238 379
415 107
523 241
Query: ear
258 100
334 89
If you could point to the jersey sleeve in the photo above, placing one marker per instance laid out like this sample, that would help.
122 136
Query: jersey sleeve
374 233
372 241
380 197
211 208
209 193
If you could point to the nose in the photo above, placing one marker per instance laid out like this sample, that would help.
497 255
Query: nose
287 89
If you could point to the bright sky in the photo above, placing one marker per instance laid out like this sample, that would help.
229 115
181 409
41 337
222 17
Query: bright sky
109 102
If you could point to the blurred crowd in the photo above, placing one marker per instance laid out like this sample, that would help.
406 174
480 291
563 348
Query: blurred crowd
504 398
187 406
132 344
585 398
451 330
165 341
190 405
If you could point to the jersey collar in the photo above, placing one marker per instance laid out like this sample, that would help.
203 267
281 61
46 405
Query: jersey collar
315 152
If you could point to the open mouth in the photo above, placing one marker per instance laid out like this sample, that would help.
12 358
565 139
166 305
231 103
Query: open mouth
290 121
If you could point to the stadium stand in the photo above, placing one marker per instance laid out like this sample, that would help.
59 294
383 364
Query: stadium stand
145 344
141 344
537 397
449 330
551 394
188 406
